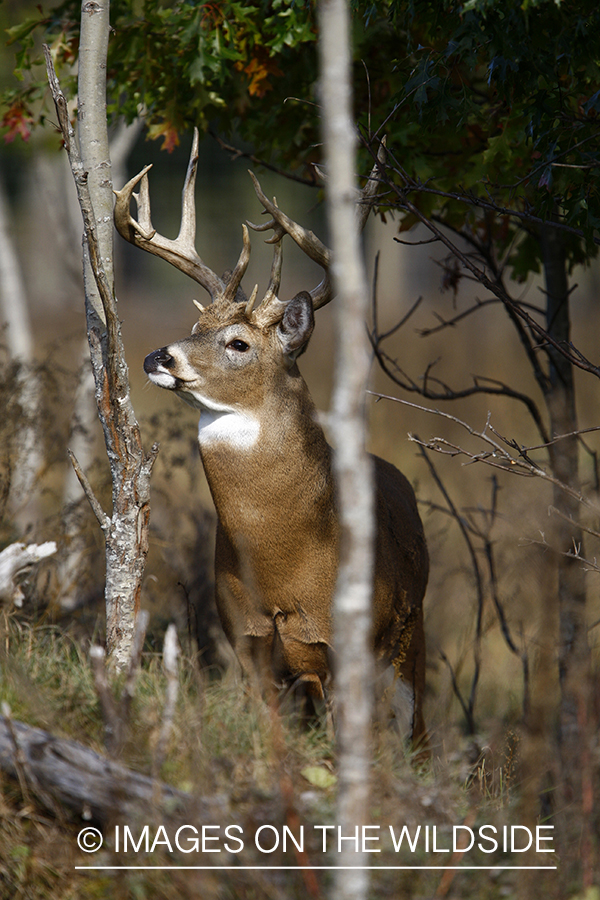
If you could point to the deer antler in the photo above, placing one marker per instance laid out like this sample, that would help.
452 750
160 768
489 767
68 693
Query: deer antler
308 242
180 252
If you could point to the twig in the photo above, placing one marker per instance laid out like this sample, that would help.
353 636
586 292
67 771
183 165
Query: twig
237 153
456 689
576 358
478 582
103 520
575 553
552 510
497 456
562 437
398 376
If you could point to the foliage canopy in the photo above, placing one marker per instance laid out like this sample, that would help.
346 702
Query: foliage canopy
494 100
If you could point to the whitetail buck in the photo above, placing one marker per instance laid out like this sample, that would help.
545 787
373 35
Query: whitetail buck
269 468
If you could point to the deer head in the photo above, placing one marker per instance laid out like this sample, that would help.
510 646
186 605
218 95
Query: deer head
238 348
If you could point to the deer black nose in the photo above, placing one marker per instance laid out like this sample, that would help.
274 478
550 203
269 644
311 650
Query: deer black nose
158 358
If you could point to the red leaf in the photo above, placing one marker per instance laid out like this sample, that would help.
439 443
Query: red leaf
18 120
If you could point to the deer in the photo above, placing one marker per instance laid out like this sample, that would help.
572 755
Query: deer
269 467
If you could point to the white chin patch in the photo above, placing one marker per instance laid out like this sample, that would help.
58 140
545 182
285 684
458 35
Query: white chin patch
163 380
237 430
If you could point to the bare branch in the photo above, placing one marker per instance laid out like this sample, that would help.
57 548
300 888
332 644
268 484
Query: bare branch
103 520
497 456
238 153
576 358
393 370
458 694
470 708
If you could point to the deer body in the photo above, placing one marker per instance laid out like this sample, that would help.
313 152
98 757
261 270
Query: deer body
269 469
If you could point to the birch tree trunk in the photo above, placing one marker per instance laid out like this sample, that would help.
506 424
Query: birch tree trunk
15 314
352 604
126 530
573 648
73 575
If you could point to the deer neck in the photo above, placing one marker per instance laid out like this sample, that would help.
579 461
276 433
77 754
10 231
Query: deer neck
260 461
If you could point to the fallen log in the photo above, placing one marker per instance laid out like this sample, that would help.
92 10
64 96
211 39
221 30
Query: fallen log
66 775
15 561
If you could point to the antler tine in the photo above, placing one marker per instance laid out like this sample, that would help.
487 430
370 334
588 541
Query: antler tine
275 277
181 252
306 240
270 309
125 224
142 202
238 273
187 230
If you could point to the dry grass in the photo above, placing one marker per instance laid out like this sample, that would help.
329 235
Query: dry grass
267 771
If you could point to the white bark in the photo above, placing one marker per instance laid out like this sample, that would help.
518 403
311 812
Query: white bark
126 530
352 609
15 560
27 459
171 667
92 128
73 564
13 296
82 436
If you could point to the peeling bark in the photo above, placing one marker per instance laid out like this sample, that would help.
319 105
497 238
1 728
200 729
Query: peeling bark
126 529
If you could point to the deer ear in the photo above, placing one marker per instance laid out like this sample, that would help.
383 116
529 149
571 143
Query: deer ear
296 326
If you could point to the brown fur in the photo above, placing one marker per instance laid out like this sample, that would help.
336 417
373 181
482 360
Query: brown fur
276 554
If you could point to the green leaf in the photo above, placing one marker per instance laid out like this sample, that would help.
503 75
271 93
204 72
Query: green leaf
19 32
319 776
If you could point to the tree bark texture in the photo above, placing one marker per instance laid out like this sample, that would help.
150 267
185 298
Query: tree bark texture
74 575
27 456
352 603
126 530
66 774
573 648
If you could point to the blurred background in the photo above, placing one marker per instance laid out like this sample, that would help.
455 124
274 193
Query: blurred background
42 238
469 509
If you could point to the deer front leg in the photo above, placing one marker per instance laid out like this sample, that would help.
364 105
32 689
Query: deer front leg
255 657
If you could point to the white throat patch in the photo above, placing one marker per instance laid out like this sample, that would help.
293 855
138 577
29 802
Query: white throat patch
238 430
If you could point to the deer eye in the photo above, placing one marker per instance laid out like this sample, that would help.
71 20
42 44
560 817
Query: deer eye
239 345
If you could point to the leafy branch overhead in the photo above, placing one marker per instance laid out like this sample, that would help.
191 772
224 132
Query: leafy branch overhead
489 105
